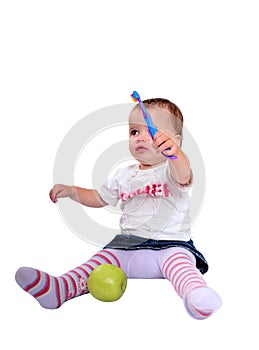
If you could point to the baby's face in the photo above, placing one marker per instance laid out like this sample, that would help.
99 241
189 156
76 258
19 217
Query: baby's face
141 143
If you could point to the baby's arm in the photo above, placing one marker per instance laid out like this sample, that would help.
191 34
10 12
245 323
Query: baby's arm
88 197
180 168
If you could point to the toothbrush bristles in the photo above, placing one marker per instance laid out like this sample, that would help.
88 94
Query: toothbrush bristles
134 98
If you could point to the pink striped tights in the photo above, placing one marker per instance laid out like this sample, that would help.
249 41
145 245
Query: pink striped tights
175 264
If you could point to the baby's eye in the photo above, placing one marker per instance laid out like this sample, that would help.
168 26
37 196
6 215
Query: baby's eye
134 132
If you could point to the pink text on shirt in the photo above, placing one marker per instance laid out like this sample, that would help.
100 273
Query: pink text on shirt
152 190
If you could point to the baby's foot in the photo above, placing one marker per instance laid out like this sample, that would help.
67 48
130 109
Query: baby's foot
42 286
51 292
201 303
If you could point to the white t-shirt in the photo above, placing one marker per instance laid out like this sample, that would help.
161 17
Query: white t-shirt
153 205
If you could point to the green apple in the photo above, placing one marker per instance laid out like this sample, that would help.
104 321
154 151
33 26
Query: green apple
107 282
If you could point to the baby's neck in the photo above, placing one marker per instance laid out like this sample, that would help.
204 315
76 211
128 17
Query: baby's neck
145 166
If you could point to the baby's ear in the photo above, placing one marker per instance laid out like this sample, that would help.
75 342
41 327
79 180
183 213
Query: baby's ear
178 140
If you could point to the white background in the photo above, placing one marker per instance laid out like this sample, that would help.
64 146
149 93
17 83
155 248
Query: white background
61 60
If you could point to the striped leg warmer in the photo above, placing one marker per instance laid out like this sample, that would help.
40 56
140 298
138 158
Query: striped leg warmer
51 292
199 300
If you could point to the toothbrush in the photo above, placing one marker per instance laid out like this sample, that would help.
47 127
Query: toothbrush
151 127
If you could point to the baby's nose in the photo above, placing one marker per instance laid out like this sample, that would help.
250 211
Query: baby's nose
143 136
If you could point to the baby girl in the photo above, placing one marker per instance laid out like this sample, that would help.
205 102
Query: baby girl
155 238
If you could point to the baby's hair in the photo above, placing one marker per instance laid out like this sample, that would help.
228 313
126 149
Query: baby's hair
169 106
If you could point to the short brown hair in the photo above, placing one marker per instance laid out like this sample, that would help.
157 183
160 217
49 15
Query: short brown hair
170 107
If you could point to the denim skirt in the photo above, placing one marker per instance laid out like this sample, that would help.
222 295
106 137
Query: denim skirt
132 242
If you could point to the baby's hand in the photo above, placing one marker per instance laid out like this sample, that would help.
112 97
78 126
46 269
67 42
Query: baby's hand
162 141
60 191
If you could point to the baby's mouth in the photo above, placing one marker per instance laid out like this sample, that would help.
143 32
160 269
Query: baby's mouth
141 149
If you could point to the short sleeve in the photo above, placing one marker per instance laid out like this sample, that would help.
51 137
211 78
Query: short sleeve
109 192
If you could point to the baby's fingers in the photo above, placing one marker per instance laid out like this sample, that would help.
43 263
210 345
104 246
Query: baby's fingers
160 138
52 196
170 151
165 145
57 191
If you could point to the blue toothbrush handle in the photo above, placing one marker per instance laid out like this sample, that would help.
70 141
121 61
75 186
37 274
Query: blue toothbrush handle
151 127
170 157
